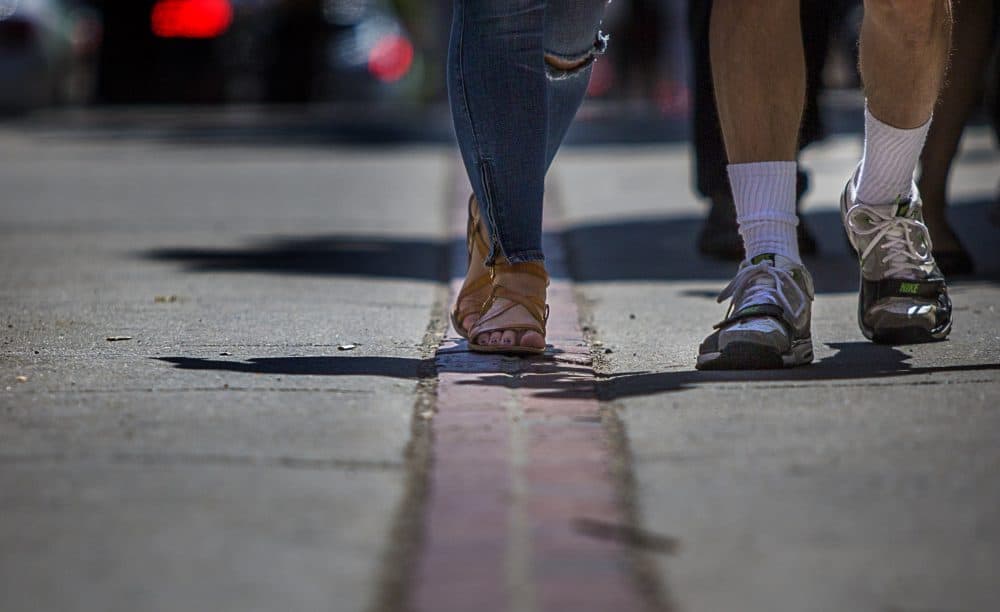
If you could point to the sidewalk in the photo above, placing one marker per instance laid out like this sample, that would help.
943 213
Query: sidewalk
228 455
867 481
268 427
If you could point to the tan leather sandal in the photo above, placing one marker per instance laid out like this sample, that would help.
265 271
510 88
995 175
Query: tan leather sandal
475 292
502 316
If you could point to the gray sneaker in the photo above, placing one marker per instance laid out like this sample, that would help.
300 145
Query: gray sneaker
903 296
768 322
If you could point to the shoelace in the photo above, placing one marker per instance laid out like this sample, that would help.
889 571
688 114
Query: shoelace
742 289
895 235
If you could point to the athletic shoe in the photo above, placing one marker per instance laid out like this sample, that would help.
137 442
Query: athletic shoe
903 296
768 322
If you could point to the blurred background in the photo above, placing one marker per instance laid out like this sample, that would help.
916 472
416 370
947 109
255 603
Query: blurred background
373 70
386 52
382 52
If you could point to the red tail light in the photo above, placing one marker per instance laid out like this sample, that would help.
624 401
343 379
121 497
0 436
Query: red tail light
391 58
191 18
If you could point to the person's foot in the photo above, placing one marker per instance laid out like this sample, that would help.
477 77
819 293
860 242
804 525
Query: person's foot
514 316
768 322
719 237
903 296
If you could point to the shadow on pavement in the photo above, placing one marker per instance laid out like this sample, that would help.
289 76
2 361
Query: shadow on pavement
319 255
392 367
663 249
549 377
852 361
656 249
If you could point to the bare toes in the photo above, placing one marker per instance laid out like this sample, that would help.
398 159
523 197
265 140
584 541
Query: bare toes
508 337
533 340
495 337
483 339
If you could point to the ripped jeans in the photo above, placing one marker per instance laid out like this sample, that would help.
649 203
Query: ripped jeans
517 72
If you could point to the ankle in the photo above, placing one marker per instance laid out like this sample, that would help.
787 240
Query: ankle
764 199
529 278
888 160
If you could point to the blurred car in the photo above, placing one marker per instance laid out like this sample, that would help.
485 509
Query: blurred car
359 50
254 50
47 52
162 51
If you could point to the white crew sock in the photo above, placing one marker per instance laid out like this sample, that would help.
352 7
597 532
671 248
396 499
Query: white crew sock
890 157
764 194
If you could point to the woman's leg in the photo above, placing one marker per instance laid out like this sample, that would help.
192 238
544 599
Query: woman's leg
517 72
497 89
573 40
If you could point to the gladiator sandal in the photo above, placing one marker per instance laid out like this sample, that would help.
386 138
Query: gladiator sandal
500 312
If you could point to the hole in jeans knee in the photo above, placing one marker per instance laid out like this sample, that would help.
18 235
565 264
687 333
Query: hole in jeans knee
563 64
567 65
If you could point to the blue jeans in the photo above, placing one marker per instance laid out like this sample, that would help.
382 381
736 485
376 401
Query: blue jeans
512 104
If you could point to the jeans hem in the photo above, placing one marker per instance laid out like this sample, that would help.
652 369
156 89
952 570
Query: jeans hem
525 256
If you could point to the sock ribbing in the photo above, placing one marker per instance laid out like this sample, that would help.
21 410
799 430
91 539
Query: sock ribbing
764 195
889 159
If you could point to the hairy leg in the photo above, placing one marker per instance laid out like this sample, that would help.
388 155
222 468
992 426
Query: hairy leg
903 53
758 67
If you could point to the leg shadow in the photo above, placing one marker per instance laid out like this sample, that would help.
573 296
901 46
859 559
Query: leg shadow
852 361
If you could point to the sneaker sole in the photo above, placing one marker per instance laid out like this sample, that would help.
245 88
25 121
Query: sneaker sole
750 356
903 335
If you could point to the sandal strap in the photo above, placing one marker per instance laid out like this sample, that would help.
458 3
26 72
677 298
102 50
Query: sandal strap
465 295
532 268
535 307
475 239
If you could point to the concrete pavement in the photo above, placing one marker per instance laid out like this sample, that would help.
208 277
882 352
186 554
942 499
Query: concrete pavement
263 438
867 481
227 456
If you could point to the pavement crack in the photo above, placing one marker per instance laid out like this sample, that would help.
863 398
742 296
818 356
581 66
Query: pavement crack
398 560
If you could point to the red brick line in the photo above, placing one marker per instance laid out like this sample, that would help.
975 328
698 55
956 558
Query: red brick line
519 458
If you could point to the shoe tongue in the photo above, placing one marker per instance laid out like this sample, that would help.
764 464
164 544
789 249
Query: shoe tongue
903 208
899 208
765 280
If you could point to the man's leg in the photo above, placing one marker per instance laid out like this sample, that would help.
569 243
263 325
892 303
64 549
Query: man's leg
904 51
719 236
760 75
759 72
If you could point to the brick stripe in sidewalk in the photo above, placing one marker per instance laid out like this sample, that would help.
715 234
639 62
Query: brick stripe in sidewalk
520 461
